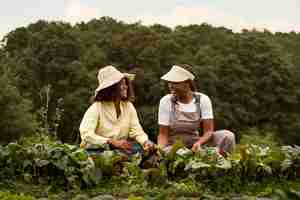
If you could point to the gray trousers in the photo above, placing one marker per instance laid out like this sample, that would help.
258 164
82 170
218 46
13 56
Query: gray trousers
222 139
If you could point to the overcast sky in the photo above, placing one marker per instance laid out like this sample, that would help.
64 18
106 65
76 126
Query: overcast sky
274 15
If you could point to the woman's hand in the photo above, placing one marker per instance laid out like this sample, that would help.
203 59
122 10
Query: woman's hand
148 145
121 144
196 146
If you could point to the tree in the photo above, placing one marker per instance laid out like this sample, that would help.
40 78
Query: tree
16 117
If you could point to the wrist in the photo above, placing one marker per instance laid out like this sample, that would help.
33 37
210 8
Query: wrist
147 142
200 141
111 141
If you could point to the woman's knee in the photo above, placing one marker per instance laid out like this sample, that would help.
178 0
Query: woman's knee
230 135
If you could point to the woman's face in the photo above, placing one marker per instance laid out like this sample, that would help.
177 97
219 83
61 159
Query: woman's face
123 88
179 88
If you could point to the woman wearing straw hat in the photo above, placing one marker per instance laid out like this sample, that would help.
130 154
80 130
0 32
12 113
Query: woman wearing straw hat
112 118
182 112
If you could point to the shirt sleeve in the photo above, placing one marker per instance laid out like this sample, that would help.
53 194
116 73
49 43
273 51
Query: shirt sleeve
88 126
136 131
206 108
164 111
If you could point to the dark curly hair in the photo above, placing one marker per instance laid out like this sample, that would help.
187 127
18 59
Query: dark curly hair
113 92
192 85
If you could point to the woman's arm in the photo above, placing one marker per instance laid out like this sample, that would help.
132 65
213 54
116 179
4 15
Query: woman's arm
208 129
163 136
135 130
164 111
208 122
88 127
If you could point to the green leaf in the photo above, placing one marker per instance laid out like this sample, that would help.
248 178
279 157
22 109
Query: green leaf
194 165
224 164
296 192
79 155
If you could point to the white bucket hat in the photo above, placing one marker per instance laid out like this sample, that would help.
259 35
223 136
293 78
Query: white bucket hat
178 74
109 75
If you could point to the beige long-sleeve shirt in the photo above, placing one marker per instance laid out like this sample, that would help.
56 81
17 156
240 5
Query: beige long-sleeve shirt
100 123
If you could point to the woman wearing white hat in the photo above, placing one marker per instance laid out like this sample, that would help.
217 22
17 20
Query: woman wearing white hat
182 112
112 118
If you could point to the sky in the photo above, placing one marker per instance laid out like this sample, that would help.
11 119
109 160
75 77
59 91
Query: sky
273 15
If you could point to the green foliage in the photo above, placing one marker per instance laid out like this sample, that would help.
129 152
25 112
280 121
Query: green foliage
63 166
258 137
289 193
16 119
9 196
252 77
48 72
292 133
109 161
291 164
53 163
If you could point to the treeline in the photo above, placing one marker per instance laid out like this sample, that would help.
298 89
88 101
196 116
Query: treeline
48 74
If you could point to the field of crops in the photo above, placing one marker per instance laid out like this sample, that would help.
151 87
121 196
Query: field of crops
60 171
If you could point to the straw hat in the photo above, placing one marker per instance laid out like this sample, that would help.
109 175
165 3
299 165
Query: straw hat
178 74
109 75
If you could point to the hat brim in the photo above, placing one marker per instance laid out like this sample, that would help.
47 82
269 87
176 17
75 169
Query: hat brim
131 77
172 76
103 86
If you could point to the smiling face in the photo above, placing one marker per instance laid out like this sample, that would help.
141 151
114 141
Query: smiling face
179 88
123 88
119 91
